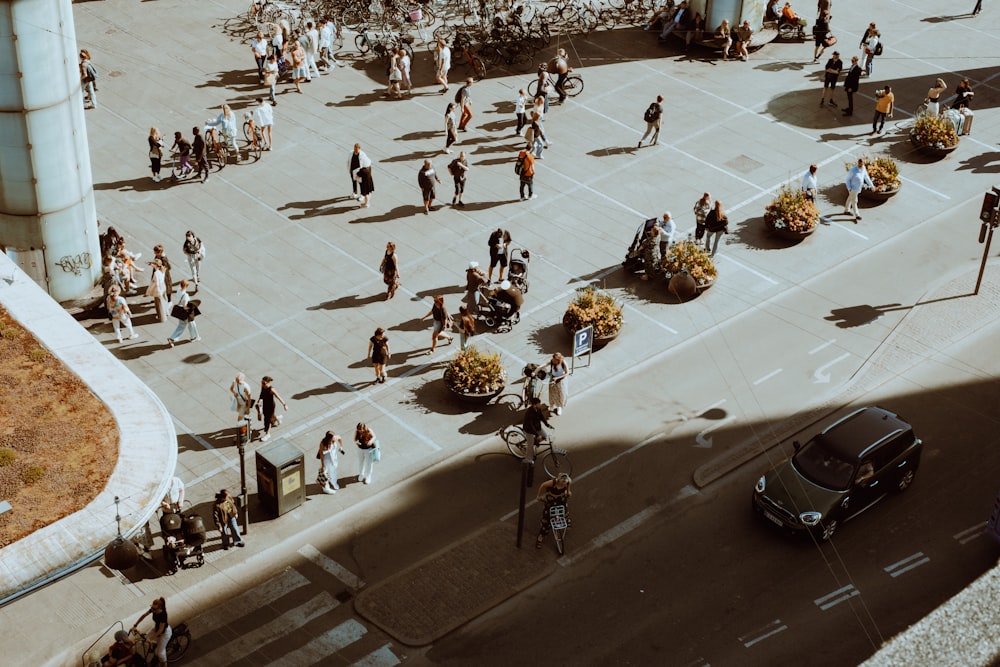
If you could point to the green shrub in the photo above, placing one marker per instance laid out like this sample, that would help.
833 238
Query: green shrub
32 474
7 456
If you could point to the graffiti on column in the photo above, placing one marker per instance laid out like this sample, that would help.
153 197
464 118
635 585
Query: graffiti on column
76 264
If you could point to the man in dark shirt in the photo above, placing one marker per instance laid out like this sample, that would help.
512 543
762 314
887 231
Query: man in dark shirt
535 421
200 158
851 84
834 66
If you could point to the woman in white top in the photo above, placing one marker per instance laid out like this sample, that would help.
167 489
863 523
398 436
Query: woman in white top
870 47
443 58
934 97
226 122
558 390
330 450
158 289
357 161
404 68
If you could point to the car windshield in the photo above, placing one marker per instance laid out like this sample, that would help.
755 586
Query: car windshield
823 467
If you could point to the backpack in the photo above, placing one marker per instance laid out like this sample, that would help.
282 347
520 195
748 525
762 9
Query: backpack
878 48
519 164
458 95
453 167
652 113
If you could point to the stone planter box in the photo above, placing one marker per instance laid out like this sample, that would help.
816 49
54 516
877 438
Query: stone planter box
475 398
788 234
599 341
878 195
933 151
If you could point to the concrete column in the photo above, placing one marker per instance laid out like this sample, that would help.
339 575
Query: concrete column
48 221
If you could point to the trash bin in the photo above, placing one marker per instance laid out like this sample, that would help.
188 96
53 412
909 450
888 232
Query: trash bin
281 477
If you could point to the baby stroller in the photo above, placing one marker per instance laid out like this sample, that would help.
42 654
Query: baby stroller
517 271
184 536
534 383
497 311
633 258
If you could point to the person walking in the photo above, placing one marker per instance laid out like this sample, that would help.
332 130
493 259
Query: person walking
551 492
271 77
821 28
258 47
263 117
857 178
266 406
242 398
499 244
716 224
459 168
155 152
390 270
834 66
158 253
200 153
379 353
331 448
468 324
404 69
558 371
810 185
157 289
560 66
654 119
355 162
872 49
544 87
701 209
442 322
519 104
450 127
312 49
525 168
464 99
161 632
851 84
395 77
883 109
533 136
190 310
226 516
88 79
183 150
194 251
119 313
298 57
442 58
474 279
368 445
426 178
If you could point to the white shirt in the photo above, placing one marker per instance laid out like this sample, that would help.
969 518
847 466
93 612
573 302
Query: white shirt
326 36
259 47
519 104
363 161
444 58
809 182
263 115
175 492
313 36
667 229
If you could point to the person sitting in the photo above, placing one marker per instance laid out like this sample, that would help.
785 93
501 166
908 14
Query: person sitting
963 95
122 652
659 17
788 14
511 298
772 13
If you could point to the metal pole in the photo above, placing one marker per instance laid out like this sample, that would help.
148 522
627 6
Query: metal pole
244 504
986 254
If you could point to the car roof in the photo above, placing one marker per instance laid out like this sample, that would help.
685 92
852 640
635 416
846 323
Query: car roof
854 435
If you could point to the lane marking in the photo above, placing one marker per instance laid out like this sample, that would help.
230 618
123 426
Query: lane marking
381 657
277 628
710 407
288 581
820 376
767 377
970 534
842 226
901 567
924 187
845 593
704 442
823 346
775 627
311 553
323 646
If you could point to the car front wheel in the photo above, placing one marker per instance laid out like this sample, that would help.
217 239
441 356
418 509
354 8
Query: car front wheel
906 480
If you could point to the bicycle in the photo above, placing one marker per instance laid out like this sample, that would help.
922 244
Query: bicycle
256 139
178 644
217 152
559 523
573 85
555 460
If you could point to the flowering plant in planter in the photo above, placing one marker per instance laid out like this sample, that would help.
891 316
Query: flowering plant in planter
475 372
692 257
883 171
594 307
934 131
791 210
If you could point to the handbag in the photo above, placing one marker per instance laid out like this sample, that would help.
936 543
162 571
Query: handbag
377 454
179 312
830 40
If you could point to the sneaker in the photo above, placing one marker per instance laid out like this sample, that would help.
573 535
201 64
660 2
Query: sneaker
265 437
196 339
534 196
832 103
277 419
336 487
821 104
639 145
522 199
241 544
368 480
170 342
134 336
857 218
119 340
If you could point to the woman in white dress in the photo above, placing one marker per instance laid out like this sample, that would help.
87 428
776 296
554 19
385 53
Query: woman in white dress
558 388
330 449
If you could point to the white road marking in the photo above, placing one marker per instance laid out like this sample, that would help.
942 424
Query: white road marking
710 407
924 187
311 553
381 657
612 534
767 377
748 269
323 646
847 229
823 346
286 582
704 442
901 567
836 597
820 376
769 630
970 534
291 620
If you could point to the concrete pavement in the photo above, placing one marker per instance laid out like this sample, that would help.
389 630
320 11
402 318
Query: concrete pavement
291 287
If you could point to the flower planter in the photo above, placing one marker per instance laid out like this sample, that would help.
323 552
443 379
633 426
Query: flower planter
933 151
879 195
791 234
471 398
685 288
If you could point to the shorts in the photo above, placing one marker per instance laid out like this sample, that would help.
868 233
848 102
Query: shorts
438 327
428 193
498 258
830 81
300 73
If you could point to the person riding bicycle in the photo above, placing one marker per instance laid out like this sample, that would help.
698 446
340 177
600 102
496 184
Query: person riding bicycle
161 632
226 122
553 492
536 418
122 652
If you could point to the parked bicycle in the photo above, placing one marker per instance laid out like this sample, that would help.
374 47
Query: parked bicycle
256 138
555 460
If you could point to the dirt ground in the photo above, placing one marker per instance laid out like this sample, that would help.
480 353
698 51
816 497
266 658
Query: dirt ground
58 442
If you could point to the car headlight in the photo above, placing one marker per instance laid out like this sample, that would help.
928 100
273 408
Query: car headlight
810 518
760 485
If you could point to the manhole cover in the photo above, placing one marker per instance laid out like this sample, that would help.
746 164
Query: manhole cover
743 163
116 72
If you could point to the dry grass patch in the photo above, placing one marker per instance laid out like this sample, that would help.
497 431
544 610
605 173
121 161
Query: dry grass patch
58 442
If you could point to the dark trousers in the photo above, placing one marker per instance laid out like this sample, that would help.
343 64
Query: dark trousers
521 120
878 122
260 67
529 181
560 82
850 100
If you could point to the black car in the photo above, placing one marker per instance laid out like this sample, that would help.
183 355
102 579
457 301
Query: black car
840 472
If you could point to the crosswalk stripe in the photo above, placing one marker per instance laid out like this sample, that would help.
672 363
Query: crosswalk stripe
323 646
382 657
272 589
291 620
331 566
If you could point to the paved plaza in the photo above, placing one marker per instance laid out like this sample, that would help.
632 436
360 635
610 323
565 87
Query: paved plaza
291 285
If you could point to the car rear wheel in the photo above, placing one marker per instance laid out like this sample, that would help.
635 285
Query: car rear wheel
827 529
906 480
